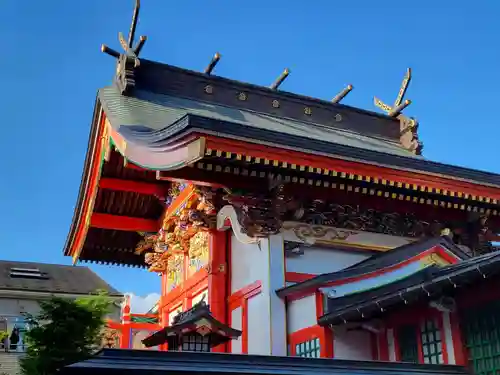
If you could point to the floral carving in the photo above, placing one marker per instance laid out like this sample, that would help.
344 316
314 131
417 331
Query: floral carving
198 251
110 338
175 271
197 214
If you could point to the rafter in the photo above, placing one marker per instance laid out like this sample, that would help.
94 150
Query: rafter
124 223
139 187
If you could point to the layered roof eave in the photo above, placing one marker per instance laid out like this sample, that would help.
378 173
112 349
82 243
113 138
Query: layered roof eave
428 283
161 116
372 265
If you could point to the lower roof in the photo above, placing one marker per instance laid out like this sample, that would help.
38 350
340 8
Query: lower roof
376 262
429 283
120 361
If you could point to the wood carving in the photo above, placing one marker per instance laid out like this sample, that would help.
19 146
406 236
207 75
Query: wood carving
196 215
175 271
110 338
307 232
198 252
259 215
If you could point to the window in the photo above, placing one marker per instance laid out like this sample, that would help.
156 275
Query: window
31 273
196 343
421 343
308 349
408 344
432 345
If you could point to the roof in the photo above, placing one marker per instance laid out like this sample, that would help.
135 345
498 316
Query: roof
429 283
56 279
376 262
120 361
149 120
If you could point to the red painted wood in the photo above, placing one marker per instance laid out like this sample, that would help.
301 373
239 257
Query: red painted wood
217 282
124 223
138 187
318 161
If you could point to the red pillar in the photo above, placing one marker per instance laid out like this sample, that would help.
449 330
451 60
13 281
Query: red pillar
217 282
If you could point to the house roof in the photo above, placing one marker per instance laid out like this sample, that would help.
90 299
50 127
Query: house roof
429 283
55 279
121 361
376 262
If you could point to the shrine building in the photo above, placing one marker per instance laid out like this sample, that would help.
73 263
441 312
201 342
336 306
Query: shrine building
284 225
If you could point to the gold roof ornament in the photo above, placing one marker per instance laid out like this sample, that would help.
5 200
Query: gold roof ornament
399 105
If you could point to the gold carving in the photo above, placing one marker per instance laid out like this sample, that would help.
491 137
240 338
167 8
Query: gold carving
242 96
198 252
110 338
308 111
175 271
180 230
276 103
306 232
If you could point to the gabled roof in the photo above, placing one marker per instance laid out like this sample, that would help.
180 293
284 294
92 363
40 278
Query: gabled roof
189 322
150 121
55 279
429 283
376 262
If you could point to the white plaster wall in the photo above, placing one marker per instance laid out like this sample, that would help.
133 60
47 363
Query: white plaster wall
353 345
249 263
262 262
318 260
258 326
277 305
203 295
173 314
448 338
301 314
236 324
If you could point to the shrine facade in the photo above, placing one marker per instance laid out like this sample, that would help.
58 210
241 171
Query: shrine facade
305 227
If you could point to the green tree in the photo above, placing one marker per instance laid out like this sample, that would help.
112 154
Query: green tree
63 332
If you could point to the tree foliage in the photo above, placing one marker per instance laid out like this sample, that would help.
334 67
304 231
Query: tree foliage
63 332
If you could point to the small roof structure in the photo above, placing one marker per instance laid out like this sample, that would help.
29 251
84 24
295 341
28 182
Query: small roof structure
377 262
197 320
51 278
428 284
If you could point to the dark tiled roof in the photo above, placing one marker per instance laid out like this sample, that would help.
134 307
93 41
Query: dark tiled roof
60 279
376 262
151 120
429 283
120 361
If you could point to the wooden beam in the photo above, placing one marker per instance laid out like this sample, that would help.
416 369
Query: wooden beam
124 223
131 186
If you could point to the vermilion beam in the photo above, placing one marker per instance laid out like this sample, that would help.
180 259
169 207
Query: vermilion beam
139 187
125 223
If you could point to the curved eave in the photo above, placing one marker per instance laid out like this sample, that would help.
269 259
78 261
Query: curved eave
358 272
76 222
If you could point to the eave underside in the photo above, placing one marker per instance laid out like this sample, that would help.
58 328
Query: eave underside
111 246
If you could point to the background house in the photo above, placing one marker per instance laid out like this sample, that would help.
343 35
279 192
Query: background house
23 285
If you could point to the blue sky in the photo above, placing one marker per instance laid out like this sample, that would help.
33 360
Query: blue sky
51 67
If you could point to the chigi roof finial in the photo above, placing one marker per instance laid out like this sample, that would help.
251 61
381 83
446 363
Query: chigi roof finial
341 95
127 45
129 60
399 104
